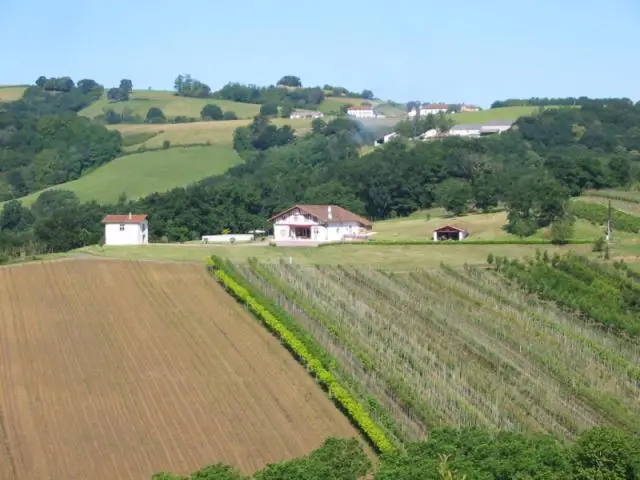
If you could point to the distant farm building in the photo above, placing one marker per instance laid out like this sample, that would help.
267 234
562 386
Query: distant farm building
481 129
469 108
430 109
126 229
449 232
314 224
386 138
299 114
361 111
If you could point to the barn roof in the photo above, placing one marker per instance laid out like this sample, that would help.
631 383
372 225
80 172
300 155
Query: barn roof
130 218
321 212
449 228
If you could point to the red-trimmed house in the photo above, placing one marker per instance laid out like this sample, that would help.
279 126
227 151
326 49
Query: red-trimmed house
449 232
318 224
128 229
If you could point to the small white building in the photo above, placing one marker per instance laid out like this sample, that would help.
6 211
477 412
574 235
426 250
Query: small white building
361 111
430 109
126 229
481 129
298 114
469 108
314 224
449 232
386 138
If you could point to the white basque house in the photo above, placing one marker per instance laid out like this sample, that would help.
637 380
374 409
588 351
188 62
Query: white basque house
361 111
429 109
126 230
317 224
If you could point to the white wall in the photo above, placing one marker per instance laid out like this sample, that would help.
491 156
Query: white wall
126 233
361 113
334 232
227 238
465 133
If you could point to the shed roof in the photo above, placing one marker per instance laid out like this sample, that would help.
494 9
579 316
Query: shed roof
450 228
321 212
130 218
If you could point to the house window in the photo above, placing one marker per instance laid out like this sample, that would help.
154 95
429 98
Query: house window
122 227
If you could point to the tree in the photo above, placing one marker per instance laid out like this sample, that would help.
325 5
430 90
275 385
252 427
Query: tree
15 217
269 110
126 85
318 125
229 115
562 230
211 112
454 195
117 95
367 94
155 115
41 81
290 81
286 110
606 453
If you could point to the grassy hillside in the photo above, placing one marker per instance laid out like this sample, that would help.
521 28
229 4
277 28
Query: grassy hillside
496 114
140 174
172 106
218 133
9 93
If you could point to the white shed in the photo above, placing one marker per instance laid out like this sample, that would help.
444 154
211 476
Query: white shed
126 229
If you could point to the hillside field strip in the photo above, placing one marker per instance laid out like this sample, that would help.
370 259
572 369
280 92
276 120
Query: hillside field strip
459 347
141 174
9 93
118 369
214 132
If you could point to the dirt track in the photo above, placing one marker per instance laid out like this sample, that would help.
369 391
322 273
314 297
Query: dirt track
117 369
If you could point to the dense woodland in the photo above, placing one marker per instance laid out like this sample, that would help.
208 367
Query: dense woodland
533 169
472 454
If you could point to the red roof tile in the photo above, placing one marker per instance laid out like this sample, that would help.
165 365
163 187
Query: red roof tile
321 212
435 105
130 218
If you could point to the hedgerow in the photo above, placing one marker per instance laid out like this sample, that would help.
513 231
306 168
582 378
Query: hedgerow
600 213
340 394
523 241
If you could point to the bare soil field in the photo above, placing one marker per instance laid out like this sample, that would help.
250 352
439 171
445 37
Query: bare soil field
120 369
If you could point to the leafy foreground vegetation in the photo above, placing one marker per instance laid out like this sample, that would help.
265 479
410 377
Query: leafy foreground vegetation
460 349
456 455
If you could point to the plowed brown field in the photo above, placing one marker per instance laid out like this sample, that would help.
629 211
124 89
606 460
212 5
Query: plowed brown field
117 370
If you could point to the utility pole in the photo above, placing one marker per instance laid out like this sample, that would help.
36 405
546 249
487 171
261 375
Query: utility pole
609 225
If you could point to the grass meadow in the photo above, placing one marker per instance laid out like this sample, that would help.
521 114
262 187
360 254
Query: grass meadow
141 174
215 132
171 105
10 93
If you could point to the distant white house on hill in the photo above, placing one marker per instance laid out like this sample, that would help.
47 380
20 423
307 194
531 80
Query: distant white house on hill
313 224
469 108
361 111
298 114
429 109
126 229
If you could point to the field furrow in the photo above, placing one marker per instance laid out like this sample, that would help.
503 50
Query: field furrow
115 369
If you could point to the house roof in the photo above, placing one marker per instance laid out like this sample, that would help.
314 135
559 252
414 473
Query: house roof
449 228
361 107
321 212
130 218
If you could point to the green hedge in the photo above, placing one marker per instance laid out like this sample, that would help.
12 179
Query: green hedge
523 241
600 213
340 394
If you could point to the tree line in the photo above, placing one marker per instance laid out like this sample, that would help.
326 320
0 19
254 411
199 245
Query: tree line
532 169
449 454
547 102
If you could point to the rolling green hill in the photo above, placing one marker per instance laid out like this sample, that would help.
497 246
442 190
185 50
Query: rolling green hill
140 174
495 114
171 105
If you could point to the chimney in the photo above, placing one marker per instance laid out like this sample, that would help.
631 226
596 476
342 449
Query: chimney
129 215
329 216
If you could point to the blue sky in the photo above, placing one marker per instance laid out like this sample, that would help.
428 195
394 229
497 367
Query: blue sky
466 51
